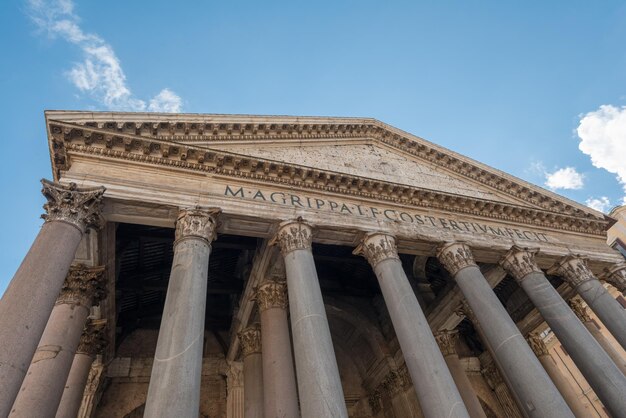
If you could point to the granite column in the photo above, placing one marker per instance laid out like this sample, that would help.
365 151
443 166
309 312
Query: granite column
438 395
28 301
319 384
537 394
174 389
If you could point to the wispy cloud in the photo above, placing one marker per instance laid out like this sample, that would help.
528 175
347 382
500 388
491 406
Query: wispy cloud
602 136
100 74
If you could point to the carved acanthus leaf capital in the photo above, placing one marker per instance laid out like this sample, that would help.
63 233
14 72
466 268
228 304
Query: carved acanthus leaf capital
580 310
294 235
272 295
520 262
572 269
447 341
250 339
377 247
77 206
536 343
197 223
84 286
234 375
616 276
456 256
93 340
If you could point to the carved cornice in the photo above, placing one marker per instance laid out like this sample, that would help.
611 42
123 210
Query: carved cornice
616 276
293 235
377 247
447 342
250 339
83 286
272 295
520 262
197 223
572 269
537 345
456 256
93 340
121 143
580 310
77 206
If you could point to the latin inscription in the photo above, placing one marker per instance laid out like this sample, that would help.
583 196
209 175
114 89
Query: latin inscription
305 202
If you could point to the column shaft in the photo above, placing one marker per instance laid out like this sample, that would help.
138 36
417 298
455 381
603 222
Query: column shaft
174 389
279 380
253 386
319 384
30 297
538 395
75 386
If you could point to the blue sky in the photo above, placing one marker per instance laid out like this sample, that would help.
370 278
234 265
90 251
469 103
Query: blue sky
516 86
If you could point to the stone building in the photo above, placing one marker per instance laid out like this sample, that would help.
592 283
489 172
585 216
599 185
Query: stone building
250 266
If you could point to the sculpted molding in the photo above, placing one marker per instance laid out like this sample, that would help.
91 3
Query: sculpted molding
580 310
447 342
197 223
250 339
377 247
456 256
520 262
93 340
77 206
573 270
272 295
83 286
537 345
294 235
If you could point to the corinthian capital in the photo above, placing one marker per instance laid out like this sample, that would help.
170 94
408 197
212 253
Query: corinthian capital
616 276
520 262
250 339
456 256
77 206
93 340
580 310
294 235
83 286
573 270
377 247
447 341
197 223
272 295
537 344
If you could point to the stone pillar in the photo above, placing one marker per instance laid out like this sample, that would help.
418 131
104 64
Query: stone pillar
234 389
537 394
279 380
495 381
616 276
602 374
575 272
92 343
438 395
30 297
174 389
43 385
585 318
561 382
252 372
447 345
319 384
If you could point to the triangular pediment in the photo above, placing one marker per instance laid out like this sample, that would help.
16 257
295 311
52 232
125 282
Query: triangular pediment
344 155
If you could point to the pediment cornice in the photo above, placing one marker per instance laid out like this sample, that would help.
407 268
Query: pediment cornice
175 144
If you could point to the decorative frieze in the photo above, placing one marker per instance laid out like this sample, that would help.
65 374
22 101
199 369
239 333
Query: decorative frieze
573 270
537 345
456 256
272 295
84 286
447 342
197 223
580 310
294 235
377 247
250 339
616 276
77 206
93 340
520 262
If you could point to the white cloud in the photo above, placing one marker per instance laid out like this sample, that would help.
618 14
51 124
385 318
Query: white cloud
602 136
565 178
601 204
100 74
